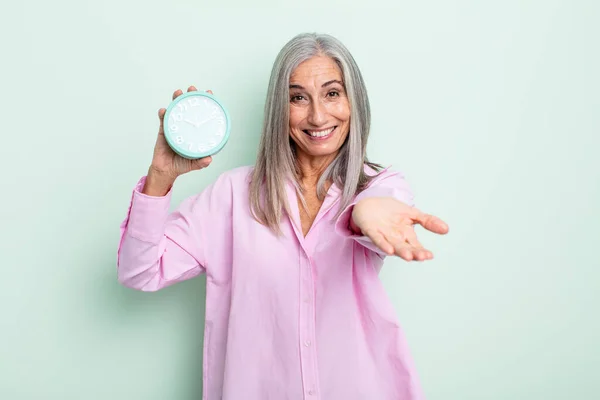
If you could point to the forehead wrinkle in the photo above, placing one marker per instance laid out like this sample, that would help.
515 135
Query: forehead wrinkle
316 71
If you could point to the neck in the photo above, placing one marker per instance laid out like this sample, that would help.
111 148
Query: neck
311 169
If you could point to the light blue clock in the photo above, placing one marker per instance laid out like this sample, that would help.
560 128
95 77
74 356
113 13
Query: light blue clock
196 125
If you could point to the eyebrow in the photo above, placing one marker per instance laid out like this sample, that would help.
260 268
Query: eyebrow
294 86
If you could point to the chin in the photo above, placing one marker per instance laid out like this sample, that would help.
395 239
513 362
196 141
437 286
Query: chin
311 151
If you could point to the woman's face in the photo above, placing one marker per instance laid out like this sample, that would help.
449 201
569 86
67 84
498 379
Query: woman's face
319 108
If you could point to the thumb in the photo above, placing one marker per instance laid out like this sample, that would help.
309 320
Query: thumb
432 223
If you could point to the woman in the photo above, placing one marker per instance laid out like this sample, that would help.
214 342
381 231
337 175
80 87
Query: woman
291 247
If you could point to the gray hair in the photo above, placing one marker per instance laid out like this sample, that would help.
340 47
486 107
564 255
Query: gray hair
276 160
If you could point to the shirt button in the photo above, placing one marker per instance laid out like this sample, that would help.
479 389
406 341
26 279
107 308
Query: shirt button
311 392
307 343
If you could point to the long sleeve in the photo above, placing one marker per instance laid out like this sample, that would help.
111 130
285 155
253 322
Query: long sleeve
387 184
158 248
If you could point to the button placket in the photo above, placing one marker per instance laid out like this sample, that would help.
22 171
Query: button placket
307 329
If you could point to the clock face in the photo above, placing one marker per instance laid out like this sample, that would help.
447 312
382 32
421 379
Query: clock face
196 125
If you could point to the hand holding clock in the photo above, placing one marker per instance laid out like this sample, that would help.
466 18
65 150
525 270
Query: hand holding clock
167 165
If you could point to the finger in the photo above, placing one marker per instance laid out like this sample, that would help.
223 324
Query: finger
431 223
177 93
161 116
192 89
209 91
405 253
411 253
201 163
379 240
420 253
401 248
406 245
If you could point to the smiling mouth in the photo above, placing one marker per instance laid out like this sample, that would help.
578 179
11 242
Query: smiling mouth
317 134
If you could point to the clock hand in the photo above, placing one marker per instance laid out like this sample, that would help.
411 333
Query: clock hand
193 123
205 121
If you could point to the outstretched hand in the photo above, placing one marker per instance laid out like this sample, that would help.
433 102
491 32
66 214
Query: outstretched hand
389 223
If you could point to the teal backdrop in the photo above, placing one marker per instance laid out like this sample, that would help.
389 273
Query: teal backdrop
489 108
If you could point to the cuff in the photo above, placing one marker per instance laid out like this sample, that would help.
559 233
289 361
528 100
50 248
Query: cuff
342 227
147 214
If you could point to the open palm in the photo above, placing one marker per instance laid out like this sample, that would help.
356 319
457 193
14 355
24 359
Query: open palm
389 223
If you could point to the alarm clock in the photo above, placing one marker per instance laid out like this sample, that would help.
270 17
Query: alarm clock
196 125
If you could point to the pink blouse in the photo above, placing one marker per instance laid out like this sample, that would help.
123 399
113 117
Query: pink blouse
288 317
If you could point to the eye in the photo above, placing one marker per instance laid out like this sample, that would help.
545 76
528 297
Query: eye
333 93
297 98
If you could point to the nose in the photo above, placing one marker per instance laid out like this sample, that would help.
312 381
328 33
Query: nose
317 114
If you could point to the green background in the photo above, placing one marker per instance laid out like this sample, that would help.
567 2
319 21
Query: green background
490 108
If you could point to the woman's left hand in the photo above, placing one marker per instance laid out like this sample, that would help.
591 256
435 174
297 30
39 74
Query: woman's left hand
389 223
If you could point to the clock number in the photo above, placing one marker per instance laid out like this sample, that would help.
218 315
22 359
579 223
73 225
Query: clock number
173 128
191 147
194 102
182 106
179 140
177 117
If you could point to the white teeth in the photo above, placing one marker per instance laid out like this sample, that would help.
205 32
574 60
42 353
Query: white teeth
321 133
